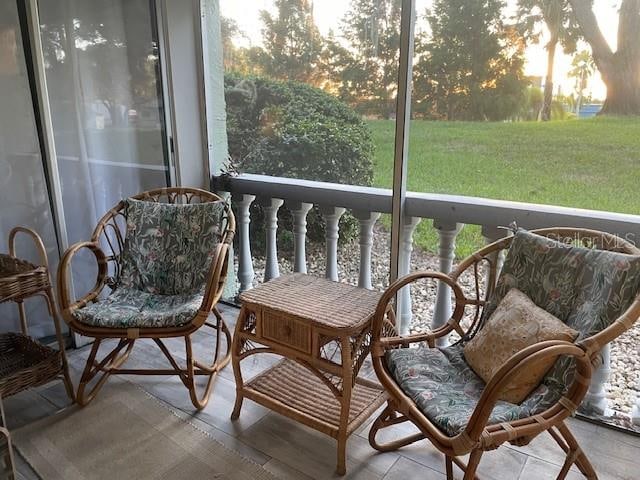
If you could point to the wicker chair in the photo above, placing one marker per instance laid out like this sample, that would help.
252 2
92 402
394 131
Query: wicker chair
472 420
130 312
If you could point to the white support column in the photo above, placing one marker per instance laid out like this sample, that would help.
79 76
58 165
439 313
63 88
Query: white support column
299 211
245 260
491 233
403 307
596 398
270 207
447 231
635 413
366 220
332 217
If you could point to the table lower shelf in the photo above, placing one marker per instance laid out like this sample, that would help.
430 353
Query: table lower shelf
296 392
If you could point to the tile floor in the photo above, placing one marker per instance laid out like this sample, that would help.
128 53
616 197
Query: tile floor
292 451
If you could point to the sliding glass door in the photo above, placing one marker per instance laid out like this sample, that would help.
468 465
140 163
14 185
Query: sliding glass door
24 198
101 64
105 92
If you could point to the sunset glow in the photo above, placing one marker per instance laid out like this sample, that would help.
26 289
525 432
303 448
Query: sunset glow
328 14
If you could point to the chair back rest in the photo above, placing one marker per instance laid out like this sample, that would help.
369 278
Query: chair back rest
585 280
163 241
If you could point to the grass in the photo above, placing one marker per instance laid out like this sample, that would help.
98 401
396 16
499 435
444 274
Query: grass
592 164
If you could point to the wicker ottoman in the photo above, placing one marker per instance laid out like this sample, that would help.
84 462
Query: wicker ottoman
322 329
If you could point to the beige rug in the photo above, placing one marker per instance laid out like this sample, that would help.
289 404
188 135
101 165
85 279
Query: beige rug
127 434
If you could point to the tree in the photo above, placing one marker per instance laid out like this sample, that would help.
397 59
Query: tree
582 67
557 16
238 59
368 68
470 64
620 70
292 42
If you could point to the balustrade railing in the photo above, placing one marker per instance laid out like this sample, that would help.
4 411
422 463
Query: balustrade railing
449 213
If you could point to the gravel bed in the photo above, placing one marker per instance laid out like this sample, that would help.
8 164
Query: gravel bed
625 351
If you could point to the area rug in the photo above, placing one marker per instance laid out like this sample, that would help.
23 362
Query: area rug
127 434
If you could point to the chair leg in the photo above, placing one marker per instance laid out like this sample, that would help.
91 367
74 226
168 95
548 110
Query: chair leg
387 418
92 368
195 367
472 466
570 445
53 311
448 463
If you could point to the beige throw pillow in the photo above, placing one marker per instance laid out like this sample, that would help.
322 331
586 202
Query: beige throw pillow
516 324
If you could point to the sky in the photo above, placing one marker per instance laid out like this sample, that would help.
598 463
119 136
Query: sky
328 14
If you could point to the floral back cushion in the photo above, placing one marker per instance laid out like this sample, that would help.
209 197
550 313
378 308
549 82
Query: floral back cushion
585 288
169 247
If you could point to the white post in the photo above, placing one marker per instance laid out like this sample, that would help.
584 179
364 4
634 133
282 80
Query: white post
403 308
635 413
366 220
490 235
299 211
332 217
245 260
270 207
447 231
596 398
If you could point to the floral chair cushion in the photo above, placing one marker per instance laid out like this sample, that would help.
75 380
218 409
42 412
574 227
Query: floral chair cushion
169 247
585 288
165 262
127 308
446 390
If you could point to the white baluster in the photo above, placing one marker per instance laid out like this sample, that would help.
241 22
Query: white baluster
447 231
596 398
299 211
403 308
332 217
270 207
366 220
635 413
490 235
245 260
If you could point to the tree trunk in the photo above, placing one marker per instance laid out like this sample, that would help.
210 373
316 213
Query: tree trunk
548 83
620 70
623 88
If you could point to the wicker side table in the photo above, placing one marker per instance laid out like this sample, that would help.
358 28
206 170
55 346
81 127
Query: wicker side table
322 329
24 362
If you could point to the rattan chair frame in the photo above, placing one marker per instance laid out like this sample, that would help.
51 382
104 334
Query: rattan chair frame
109 235
479 437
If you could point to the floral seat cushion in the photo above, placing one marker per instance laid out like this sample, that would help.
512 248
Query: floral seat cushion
446 390
127 308
585 288
166 259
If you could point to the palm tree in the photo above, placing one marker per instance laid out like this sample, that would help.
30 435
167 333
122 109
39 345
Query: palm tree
557 17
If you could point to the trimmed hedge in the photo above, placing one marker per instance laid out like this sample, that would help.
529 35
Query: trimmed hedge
289 129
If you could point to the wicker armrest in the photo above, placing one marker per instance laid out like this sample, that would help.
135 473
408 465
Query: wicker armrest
389 295
521 361
216 277
66 304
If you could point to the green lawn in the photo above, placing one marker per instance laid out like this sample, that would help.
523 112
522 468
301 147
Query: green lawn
591 164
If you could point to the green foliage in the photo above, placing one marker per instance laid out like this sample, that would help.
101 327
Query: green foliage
290 129
556 15
470 64
292 42
533 99
367 72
